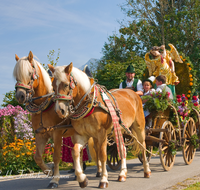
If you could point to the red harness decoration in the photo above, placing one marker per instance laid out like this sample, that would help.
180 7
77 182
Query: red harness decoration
91 111
118 134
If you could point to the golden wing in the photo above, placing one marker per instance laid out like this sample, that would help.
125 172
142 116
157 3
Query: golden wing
174 54
151 64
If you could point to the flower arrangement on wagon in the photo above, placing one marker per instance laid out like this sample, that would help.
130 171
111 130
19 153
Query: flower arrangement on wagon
184 107
157 101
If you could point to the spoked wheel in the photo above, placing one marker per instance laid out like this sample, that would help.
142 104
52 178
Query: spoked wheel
188 146
167 148
148 155
113 160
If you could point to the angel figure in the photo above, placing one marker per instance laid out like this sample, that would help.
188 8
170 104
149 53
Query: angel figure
162 63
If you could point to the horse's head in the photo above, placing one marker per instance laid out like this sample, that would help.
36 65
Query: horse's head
25 72
69 89
32 79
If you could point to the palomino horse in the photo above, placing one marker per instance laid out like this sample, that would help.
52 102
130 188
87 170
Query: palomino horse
33 80
73 92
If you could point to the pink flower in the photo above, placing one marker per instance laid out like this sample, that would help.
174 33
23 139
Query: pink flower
183 95
179 100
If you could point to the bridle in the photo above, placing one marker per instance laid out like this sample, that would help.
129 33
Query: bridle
69 97
28 87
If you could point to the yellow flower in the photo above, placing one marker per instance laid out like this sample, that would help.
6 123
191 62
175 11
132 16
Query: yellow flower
4 147
191 83
5 153
17 156
28 153
23 154
190 76
188 64
190 68
188 95
184 60
191 79
189 91
181 57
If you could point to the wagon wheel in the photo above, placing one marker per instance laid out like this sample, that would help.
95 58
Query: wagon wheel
148 155
188 148
113 160
167 148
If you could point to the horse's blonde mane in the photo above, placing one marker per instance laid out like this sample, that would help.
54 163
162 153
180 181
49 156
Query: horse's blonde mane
23 69
81 78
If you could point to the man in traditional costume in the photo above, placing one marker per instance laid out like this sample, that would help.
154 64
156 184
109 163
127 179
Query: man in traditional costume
131 82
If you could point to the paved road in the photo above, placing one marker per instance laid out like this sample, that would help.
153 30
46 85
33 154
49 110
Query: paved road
159 180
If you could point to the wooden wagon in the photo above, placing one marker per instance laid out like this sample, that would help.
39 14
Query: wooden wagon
166 136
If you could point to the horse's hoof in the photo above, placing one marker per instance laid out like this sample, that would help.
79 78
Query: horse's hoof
52 186
147 174
122 178
98 174
103 185
84 183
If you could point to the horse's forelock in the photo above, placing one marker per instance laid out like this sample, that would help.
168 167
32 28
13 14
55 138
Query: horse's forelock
80 77
22 69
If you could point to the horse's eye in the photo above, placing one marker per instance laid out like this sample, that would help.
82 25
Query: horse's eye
66 85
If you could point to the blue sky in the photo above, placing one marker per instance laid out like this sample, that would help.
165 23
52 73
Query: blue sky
78 27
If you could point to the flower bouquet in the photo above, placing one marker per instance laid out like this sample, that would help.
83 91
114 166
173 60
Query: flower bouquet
156 101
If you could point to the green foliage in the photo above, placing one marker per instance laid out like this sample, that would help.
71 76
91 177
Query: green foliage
195 140
10 99
51 58
157 101
111 73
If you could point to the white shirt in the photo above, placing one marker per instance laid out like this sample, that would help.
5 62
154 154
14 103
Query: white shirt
161 87
130 84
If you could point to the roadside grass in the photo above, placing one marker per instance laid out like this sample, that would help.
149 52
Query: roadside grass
194 186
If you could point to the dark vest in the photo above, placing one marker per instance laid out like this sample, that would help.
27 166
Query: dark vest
134 84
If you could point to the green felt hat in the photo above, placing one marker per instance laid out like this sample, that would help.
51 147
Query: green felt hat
151 79
130 69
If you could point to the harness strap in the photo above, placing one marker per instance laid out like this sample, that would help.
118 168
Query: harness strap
115 120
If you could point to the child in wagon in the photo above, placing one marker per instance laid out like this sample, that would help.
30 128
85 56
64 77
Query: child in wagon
147 90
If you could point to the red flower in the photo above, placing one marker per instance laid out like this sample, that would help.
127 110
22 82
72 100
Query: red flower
194 98
183 104
183 95
179 100
196 104
178 96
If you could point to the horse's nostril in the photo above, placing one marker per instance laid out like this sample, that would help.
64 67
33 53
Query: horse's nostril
62 111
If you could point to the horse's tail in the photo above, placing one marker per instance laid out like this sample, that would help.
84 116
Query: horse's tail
92 150
135 146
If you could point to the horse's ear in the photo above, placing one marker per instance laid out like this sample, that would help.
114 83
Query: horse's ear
51 68
16 57
68 69
30 56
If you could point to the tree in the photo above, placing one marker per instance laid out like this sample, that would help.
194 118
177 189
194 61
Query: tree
153 23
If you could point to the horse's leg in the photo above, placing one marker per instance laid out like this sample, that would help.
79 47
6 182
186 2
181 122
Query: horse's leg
57 138
123 171
41 141
98 162
102 152
79 142
141 139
